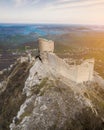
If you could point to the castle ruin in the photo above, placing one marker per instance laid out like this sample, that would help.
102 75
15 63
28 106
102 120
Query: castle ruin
77 73
46 45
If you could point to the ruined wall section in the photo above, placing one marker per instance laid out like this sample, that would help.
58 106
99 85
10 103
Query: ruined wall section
77 73
61 67
85 71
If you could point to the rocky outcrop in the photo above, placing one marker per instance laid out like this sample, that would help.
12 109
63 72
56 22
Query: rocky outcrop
38 97
53 102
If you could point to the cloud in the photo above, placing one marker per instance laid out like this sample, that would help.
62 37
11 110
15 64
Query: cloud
64 4
20 3
57 11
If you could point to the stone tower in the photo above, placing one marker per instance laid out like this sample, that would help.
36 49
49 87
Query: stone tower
45 45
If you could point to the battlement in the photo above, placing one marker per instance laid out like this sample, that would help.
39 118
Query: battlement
45 45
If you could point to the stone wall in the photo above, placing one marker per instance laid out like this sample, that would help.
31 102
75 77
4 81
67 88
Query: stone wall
77 73
85 71
45 45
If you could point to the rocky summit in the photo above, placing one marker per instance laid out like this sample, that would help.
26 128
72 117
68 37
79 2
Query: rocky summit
35 96
47 93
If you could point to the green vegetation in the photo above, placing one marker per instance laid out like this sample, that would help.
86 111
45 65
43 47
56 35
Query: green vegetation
12 97
96 95
43 86
86 120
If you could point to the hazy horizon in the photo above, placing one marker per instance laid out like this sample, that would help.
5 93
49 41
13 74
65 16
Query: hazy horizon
34 23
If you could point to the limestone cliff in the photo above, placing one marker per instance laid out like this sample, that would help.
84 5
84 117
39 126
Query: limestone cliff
38 97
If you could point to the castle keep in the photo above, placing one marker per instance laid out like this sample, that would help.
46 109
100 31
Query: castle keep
77 73
45 45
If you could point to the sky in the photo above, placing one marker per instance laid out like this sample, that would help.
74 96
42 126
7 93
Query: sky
52 11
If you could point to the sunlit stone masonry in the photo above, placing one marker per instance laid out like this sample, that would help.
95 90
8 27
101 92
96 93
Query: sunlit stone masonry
77 73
